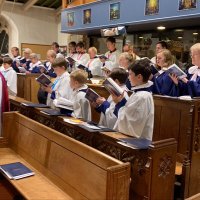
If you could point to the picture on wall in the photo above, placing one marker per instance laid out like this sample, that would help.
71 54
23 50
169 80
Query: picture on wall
115 11
87 16
152 7
187 4
70 19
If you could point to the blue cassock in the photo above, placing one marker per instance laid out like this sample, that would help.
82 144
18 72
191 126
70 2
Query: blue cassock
193 86
128 84
163 85
27 62
50 72
35 70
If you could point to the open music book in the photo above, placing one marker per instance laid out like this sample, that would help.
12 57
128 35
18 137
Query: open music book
16 170
70 60
44 80
63 103
174 69
91 95
112 87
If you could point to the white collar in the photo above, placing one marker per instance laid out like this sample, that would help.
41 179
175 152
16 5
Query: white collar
146 85
194 70
81 88
6 70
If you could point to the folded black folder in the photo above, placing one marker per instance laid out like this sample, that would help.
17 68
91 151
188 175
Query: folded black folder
34 105
52 112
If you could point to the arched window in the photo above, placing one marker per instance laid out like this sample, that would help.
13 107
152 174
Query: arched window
4 42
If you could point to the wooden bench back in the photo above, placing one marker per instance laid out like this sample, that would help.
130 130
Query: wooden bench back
81 171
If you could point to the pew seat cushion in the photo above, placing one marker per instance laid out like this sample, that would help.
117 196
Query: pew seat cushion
34 187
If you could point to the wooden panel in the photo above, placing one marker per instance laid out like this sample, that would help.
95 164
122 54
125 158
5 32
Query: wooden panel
157 118
34 90
169 123
65 164
34 187
20 85
76 3
32 143
40 49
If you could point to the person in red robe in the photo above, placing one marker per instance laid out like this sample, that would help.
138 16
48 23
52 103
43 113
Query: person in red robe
4 100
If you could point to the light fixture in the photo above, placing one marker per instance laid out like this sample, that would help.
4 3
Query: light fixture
140 37
178 30
160 28
180 37
195 33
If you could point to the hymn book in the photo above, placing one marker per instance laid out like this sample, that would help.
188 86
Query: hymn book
91 95
44 80
135 143
112 87
174 69
70 60
63 103
52 112
16 170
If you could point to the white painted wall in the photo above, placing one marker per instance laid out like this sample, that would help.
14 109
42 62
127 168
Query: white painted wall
35 26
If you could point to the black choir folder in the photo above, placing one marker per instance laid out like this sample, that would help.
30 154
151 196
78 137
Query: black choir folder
91 95
112 87
16 170
34 105
135 143
44 80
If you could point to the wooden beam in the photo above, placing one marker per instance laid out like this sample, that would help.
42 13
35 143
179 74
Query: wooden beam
29 4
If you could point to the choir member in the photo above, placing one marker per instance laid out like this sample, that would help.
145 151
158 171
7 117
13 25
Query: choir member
25 61
81 57
161 45
51 56
77 100
16 58
130 49
125 60
193 84
112 54
136 115
60 87
164 83
94 64
72 54
4 100
55 46
35 63
10 75
106 107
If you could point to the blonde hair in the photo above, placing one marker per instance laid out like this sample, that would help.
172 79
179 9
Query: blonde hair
93 49
169 59
51 53
79 75
195 47
127 56
27 50
34 55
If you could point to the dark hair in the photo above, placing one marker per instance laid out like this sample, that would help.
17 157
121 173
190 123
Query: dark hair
163 44
1 60
73 43
59 62
7 60
80 44
55 44
120 74
111 39
141 67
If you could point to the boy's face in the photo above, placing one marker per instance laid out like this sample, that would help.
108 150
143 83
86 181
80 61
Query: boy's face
110 45
59 70
6 65
135 79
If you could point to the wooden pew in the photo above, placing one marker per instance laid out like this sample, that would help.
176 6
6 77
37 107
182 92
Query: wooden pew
179 119
27 87
64 168
152 169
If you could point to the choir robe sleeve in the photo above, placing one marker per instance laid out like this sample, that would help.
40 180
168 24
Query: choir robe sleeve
107 117
83 60
12 82
163 85
95 67
194 88
136 118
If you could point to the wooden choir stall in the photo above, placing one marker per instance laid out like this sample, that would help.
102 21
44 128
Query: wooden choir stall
64 168
152 169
